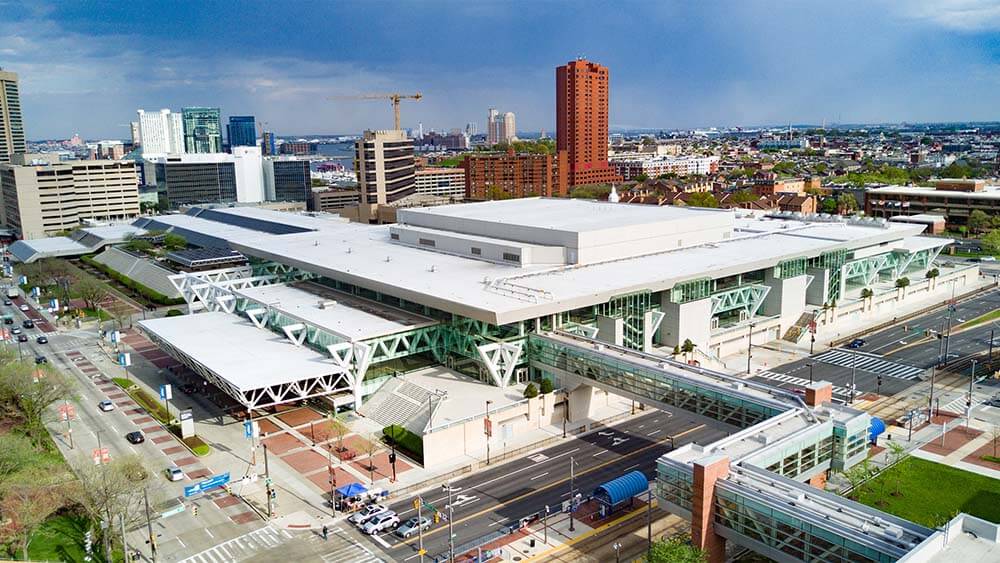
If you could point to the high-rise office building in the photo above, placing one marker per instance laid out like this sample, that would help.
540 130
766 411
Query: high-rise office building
161 132
268 147
202 130
286 178
509 132
196 178
11 122
383 161
492 117
500 128
582 90
42 196
133 128
241 131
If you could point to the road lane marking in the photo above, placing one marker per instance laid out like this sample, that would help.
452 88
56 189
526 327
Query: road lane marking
599 453
539 476
653 432
209 533
631 467
432 531
381 541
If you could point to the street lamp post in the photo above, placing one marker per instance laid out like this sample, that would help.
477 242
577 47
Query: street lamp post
810 364
488 430
854 375
617 547
968 402
572 488
749 347
451 533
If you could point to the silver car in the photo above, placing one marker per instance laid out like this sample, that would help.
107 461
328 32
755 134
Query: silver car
380 523
412 526
360 517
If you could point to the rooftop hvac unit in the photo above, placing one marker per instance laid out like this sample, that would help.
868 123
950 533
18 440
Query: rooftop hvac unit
763 438
327 304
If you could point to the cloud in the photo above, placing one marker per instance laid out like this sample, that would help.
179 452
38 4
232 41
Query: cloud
959 15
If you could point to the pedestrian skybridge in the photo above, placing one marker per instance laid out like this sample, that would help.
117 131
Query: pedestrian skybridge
750 487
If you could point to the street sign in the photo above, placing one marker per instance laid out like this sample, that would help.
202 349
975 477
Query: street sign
166 392
100 455
488 427
115 336
812 327
208 484
66 411
124 359
251 430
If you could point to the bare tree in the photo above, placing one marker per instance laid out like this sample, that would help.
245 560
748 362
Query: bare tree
995 437
31 390
370 446
26 506
91 291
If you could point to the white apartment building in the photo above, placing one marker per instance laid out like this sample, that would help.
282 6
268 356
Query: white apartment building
441 182
161 132
249 174
631 165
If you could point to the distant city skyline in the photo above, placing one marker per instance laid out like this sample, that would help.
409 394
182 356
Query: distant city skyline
673 65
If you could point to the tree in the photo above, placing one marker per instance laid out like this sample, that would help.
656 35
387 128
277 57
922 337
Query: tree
897 453
866 293
743 196
856 476
530 391
370 447
702 199
91 291
991 242
174 242
110 491
677 549
979 221
31 390
26 506
545 386
846 204
677 350
902 282
139 245
688 346
932 273
995 437
829 206
17 455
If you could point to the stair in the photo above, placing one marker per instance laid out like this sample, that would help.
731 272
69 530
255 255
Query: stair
402 403
797 330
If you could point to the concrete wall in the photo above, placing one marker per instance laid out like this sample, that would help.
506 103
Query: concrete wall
468 438
685 320
787 298
610 330
818 291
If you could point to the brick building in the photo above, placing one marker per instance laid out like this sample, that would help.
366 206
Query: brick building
510 175
582 91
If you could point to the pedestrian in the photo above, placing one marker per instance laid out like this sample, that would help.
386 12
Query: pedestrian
326 532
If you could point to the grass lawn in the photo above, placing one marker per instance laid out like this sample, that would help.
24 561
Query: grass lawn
61 539
932 493
992 315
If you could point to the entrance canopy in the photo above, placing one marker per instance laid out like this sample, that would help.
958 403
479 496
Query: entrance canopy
256 367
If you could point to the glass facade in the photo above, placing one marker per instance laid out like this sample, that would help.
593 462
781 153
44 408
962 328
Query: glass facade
551 356
186 183
202 130
292 181
241 131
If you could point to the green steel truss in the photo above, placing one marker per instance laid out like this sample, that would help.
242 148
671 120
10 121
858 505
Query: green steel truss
283 272
868 269
632 309
691 290
832 261
402 344
747 297
791 268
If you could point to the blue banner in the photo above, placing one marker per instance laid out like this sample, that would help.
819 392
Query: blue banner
210 483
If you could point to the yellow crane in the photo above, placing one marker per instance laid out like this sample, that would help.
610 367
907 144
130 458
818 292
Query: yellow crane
393 98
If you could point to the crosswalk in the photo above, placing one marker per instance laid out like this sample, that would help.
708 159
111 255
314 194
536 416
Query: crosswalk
870 363
348 550
242 547
842 392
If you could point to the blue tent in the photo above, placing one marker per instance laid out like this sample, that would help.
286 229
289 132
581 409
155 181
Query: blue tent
352 490
877 427
621 489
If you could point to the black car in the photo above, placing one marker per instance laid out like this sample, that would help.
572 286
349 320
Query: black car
857 343
22 337
8 302
42 339
41 360
8 321
28 323
135 437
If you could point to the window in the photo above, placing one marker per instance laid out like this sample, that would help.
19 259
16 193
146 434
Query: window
394 236
477 251
427 242
511 257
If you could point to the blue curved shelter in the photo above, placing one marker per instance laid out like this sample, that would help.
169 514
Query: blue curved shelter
621 489
877 427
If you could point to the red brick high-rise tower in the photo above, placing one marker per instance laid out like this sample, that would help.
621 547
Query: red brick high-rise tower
582 90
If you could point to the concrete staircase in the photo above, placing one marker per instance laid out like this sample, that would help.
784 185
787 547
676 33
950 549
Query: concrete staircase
800 328
400 402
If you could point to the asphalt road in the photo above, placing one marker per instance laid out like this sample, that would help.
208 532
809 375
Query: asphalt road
500 496
893 349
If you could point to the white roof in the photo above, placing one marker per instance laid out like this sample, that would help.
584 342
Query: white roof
235 350
990 192
342 314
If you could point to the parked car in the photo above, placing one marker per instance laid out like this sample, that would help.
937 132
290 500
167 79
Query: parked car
857 343
28 323
360 517
106 406
41 360
22 337
412 526
15 330
135 437
8 302
381 522
8 320
174 473
24 307
42 339
994 402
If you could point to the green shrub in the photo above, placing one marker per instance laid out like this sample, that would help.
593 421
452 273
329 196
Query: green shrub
546 385
410 443
530 392
150 294
903 282
932 273
175 313
992 458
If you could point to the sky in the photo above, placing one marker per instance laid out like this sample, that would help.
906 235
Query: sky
86 66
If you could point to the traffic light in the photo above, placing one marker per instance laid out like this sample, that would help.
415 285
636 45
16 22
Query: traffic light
194 510
416 504
437 517
392 458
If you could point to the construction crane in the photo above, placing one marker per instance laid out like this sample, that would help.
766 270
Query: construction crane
393 98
